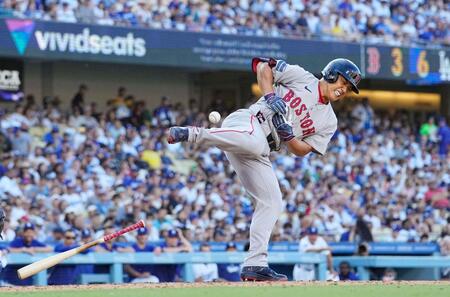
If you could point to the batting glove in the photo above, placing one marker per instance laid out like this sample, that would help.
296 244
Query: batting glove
284 130
275 103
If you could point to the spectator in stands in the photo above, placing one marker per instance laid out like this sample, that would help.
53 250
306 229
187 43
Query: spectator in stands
163 115
65 274
24 243
205 272
86 236
363 115
444 138
65 13
346 273
9 188
389 275
142 273
86 13
20 140
313 243
78 101
57 236
230 271
8 234
175 242
363 249
429 130
361 231
107 246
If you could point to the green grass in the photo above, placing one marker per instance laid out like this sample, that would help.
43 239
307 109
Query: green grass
317 290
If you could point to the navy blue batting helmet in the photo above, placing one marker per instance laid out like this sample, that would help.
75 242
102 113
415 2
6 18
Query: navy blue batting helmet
343 67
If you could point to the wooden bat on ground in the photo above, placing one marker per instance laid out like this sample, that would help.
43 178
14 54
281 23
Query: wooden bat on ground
51 261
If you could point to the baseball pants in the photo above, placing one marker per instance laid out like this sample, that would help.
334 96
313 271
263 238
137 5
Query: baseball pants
244 142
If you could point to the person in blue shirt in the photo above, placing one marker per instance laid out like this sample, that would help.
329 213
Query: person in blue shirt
175 242
444 138
106 247
346 273
163 113
26 243
65 274
85 238
142 273
230 271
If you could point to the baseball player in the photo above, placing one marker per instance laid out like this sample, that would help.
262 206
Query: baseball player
295 110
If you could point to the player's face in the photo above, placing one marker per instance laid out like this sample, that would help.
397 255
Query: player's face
339 89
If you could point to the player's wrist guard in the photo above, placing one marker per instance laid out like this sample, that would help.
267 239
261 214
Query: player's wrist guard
283 128
275 103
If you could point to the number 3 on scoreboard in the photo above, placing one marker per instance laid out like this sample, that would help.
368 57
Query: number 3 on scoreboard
397 59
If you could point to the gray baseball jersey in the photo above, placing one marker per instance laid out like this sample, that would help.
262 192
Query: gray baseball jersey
312 121
243 137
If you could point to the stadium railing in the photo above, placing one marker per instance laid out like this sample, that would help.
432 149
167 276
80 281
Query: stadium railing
337 248
116 261
417 267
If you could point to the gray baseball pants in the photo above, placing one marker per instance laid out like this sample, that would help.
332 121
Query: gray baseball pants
244 142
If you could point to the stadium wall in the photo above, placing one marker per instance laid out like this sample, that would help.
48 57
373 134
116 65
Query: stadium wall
63 78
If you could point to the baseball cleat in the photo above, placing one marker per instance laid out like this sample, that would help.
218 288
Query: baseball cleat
261 274
177 134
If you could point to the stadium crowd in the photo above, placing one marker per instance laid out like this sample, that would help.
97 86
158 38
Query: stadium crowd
396 22
83 172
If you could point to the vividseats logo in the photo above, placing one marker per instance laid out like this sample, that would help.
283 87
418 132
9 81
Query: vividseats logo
20 31
80 43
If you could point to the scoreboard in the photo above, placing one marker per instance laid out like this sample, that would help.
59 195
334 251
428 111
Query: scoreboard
415 65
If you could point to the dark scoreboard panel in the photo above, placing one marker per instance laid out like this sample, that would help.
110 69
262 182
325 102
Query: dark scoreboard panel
416 65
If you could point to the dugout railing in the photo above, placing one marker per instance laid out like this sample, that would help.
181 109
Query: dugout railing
116 261
429 265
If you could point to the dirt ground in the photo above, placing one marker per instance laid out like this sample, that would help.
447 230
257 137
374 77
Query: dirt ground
218 284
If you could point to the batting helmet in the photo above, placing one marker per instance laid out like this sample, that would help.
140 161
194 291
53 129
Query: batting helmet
343 67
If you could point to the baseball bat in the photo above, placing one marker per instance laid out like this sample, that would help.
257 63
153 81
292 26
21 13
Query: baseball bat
51 261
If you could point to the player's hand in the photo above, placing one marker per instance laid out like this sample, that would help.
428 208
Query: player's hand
275 103
284 129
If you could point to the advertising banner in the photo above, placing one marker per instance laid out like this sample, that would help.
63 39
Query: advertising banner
11 80
79 42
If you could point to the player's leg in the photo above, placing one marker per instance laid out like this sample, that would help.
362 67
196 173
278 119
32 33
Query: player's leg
258 178
240 133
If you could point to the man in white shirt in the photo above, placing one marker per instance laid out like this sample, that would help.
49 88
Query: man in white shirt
373 218
205 272
312 243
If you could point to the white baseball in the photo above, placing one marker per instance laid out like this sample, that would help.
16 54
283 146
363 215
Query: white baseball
214 117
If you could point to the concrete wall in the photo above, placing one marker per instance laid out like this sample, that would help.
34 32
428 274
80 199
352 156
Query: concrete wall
145 83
